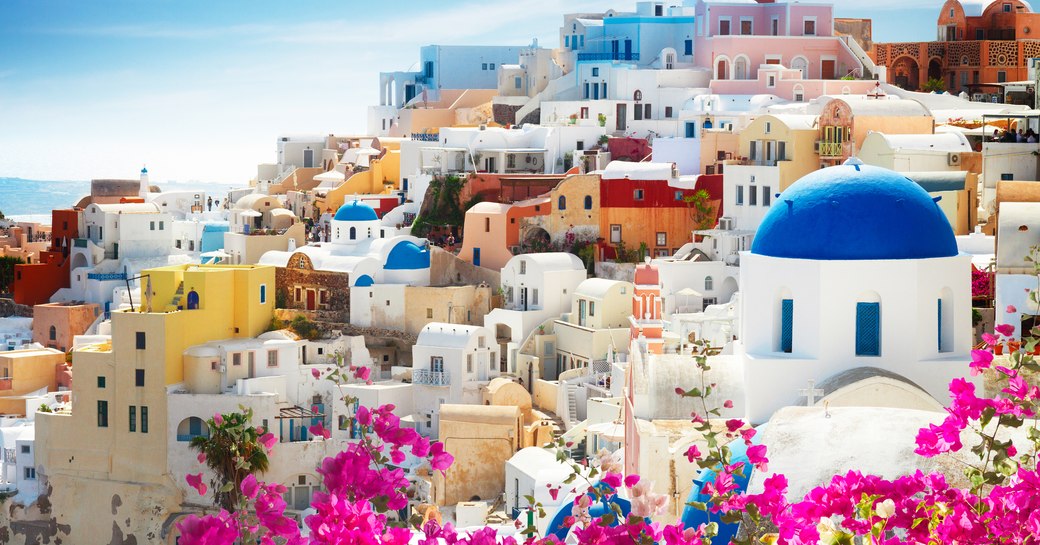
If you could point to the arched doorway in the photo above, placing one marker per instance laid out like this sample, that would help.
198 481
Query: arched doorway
722 68
537 240
193 300
79 260
907 73
934 69
190 428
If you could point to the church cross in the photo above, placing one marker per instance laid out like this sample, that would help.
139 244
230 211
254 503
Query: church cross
810 393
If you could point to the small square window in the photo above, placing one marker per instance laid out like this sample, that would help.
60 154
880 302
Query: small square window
101 382
139 377
429 313
595 72
662 239
25 449
272 358
678 195
151 225
140 340
483 66
638 194
491 66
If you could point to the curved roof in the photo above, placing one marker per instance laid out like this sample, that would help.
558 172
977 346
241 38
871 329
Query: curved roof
598 288
407 255
891 107
250 200
446 335
852 376
554 261
355 211
489 208
945 142
855 212
620 170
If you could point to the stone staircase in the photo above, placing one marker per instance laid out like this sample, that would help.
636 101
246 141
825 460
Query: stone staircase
178 295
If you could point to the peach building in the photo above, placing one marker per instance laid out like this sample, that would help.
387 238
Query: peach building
26 371
484 235
979 43
56 324
845 122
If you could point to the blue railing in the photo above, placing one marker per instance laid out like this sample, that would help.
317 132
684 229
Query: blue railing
188 437
426 137
105 277
608 56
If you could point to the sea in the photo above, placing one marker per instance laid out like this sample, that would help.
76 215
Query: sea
33 200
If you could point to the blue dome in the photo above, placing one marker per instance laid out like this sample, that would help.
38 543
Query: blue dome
356 211
407 256
364 281
598 508
855 212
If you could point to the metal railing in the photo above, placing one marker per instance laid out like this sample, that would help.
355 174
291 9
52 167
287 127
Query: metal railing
105 277
426 136
611 56
830 149
431 378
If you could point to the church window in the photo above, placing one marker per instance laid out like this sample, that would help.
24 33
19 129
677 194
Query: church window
868 329
786 325
353 233
945 321
709 283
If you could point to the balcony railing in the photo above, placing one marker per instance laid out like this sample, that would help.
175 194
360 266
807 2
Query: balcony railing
830 149
426 136
81 243
105 277
430 378
634 56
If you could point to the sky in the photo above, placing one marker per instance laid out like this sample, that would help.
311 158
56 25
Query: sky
199 90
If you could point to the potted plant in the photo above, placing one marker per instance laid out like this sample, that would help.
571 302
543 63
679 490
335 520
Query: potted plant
603 139
602 118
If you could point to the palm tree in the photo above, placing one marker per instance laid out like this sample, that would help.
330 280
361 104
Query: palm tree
233 451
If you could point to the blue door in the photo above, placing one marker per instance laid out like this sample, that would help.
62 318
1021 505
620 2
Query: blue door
868 329
691 130
476 256
786 325
193 300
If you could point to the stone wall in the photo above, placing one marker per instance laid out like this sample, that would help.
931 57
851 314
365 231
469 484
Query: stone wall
9 308
616 271
446 269
505 114
337 284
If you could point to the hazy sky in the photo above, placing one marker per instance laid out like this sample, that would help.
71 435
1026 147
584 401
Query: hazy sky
200 89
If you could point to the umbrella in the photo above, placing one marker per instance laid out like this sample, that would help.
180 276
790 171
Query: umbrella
251 214
611 431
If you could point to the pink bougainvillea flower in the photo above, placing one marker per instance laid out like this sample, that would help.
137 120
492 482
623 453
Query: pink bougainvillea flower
208 530
249 486
554 493
728 404
631 481
218 419
202 457
680 391
316 373
1011 309
990 339
195 481
439 459
612 480
363 373
363 416
1006 330
734 424
980 361
318 430
693 453
268 440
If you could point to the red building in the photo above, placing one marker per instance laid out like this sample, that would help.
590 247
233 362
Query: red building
641 205
35 283
980 43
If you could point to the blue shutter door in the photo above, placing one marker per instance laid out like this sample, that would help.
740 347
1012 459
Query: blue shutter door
868 329
939 321
786 325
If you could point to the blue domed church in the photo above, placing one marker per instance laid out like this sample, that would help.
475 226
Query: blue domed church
854 273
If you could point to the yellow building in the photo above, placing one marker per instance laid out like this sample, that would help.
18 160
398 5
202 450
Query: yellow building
113 445
383 176
26 371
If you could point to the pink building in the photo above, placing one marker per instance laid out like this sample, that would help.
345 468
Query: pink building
736 37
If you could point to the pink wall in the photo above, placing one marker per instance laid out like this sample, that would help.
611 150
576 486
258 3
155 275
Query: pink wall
755 48
761 14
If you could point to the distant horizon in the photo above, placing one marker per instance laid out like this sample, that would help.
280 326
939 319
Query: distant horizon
201 91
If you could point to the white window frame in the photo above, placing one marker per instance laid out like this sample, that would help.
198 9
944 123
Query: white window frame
718 31
816 28
741 29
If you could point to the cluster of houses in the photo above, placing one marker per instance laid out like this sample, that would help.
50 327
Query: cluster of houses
530 242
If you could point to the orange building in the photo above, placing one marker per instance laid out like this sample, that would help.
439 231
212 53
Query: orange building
35 283
56 324
646 325
980 43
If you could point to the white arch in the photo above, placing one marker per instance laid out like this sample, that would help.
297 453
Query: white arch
801 63
727 69
741 67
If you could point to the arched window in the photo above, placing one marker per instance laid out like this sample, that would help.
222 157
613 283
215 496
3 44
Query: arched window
637 96
192 427
588 202
562 203
709 283
54 333
353 233
868 326
193 300
802 65
722 69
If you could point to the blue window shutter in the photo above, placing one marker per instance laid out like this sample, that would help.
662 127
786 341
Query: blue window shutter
868 329
786 325
939 321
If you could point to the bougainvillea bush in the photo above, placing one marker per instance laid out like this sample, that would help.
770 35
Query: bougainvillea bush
1000 503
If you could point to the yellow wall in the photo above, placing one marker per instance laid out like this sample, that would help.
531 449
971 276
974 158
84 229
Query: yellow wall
72 448
574 188
801 159
29 370
369 182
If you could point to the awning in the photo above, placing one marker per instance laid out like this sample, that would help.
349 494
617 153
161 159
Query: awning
215 253
689 292
251 214
298 412
611 431
934 182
